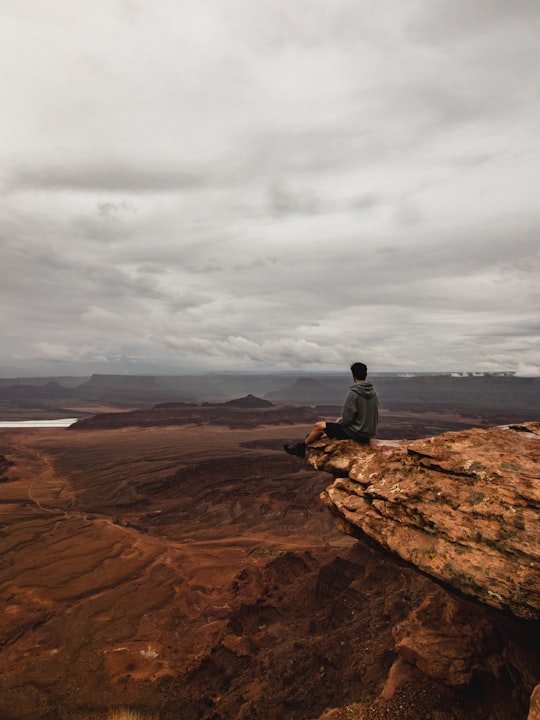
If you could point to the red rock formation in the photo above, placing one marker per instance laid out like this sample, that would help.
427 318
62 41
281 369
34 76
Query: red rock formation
192 572
462 507
446 640
534 710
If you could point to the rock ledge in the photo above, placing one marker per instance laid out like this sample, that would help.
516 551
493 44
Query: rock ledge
462 507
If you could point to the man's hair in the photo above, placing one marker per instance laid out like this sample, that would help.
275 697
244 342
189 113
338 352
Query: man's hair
359 371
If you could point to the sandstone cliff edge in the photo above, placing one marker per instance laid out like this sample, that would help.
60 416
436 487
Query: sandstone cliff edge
461 507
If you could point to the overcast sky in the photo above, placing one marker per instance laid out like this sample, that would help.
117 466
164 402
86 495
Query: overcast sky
207 185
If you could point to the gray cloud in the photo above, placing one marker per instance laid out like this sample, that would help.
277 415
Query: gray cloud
452 19
240 185
105 177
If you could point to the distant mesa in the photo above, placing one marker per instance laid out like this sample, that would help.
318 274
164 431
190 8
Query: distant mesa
443 393
20 392
503 399
248 411
249 401
125 388
311 391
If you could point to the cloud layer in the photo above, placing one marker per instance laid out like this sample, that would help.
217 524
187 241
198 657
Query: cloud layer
233 185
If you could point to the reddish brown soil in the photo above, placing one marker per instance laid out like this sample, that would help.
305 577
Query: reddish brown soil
193 573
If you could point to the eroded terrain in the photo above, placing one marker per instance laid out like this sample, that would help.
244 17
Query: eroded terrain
192 572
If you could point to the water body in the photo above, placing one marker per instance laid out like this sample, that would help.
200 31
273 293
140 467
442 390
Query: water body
61 422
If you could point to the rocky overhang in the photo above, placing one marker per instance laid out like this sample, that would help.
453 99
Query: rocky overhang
462 507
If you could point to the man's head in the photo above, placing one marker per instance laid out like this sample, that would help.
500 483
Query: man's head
359 371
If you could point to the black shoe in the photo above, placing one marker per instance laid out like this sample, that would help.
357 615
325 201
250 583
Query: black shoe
298 449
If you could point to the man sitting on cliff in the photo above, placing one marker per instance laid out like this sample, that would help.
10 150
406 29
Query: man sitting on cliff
359 415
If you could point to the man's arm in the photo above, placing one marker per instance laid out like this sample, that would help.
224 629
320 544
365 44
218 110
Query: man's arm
348 411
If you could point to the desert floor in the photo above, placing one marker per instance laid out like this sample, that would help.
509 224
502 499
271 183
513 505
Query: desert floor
192 572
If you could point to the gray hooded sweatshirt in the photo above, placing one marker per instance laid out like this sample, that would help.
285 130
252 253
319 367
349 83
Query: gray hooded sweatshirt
360 411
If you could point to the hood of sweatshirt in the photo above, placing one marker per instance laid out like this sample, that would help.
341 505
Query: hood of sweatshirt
365 389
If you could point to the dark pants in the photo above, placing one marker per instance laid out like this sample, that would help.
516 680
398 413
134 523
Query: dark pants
336 431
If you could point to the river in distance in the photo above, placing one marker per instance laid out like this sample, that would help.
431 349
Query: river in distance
61 422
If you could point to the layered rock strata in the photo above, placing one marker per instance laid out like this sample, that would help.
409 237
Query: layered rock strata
462 507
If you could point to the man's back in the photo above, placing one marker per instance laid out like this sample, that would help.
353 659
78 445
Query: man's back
360 412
